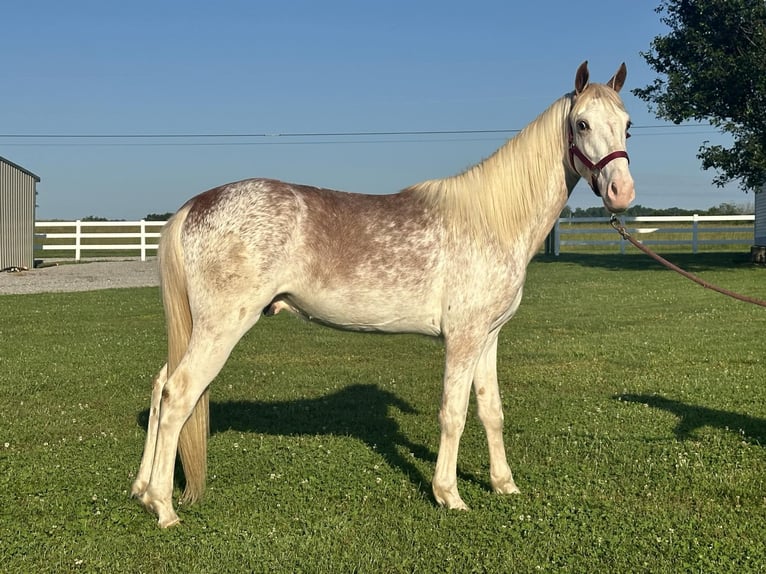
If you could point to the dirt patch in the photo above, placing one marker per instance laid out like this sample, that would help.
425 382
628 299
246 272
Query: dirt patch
85 276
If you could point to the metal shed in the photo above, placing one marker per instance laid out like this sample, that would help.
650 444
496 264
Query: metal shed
17 215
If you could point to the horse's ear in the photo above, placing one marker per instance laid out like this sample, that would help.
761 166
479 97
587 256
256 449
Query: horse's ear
618 80
581 78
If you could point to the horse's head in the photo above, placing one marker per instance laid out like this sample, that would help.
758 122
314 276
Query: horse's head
598 128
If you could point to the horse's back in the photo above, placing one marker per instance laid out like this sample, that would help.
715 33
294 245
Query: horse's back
351 260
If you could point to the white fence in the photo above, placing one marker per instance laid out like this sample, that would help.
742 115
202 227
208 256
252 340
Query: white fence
694 231
138 237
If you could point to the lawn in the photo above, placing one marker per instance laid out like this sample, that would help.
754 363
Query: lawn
635 424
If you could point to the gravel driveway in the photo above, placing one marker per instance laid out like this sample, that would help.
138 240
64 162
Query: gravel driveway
86 276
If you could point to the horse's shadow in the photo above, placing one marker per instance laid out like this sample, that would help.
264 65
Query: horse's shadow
359 411
692 417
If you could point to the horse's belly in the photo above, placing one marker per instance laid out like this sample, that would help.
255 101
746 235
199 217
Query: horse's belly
357 312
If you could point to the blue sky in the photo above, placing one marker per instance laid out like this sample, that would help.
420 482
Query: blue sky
249 67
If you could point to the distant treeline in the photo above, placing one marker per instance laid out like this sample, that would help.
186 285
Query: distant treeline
636 210
149 217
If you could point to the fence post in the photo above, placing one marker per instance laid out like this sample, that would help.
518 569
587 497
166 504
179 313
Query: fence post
77 239
143 240
556 238
695 223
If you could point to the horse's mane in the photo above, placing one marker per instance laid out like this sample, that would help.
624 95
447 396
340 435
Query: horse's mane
500 194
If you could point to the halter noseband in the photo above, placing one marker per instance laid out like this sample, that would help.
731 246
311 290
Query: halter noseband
595 168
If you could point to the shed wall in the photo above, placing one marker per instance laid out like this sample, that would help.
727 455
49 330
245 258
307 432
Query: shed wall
17 215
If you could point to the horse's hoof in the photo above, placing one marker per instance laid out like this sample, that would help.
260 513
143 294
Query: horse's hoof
138 489
169 521
450 500
506 487
457 505
165 512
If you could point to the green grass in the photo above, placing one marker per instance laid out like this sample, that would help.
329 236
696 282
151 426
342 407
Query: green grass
635 424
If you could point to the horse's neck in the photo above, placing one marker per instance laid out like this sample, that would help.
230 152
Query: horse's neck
521 189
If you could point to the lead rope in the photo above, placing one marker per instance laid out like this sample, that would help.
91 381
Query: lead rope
620 228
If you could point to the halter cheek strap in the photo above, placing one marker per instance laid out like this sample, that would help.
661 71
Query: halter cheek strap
595 168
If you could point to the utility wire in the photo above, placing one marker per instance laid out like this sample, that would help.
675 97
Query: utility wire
264 135
211 140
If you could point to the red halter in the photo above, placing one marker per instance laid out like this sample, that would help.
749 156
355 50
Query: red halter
595 168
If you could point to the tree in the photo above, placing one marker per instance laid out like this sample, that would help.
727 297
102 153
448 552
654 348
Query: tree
712 67
158 216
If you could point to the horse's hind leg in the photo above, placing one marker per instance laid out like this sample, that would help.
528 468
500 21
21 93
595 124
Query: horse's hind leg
178 397
207 352
491 415
145 470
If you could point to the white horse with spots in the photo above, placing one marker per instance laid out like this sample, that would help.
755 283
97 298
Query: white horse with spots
445 258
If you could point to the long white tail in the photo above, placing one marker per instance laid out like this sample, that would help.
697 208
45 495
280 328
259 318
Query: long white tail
192 443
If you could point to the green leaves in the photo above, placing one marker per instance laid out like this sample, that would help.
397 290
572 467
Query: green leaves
712 67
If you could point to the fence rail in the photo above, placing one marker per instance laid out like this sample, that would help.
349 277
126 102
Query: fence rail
61 237
692 232
689 232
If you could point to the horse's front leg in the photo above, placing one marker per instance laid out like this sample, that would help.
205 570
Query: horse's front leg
145 470
491 415
462 353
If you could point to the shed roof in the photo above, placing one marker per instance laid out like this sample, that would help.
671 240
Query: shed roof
26 171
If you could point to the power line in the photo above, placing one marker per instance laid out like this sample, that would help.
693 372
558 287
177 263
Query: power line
266 135
254 135
210 140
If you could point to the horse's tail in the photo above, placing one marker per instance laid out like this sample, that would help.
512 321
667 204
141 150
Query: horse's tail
192 443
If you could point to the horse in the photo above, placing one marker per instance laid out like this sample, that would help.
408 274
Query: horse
445 258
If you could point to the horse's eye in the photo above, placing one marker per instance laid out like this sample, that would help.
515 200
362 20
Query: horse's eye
627 130
582 125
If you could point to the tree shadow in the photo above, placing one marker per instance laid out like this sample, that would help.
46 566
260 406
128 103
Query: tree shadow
359 411
692 417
